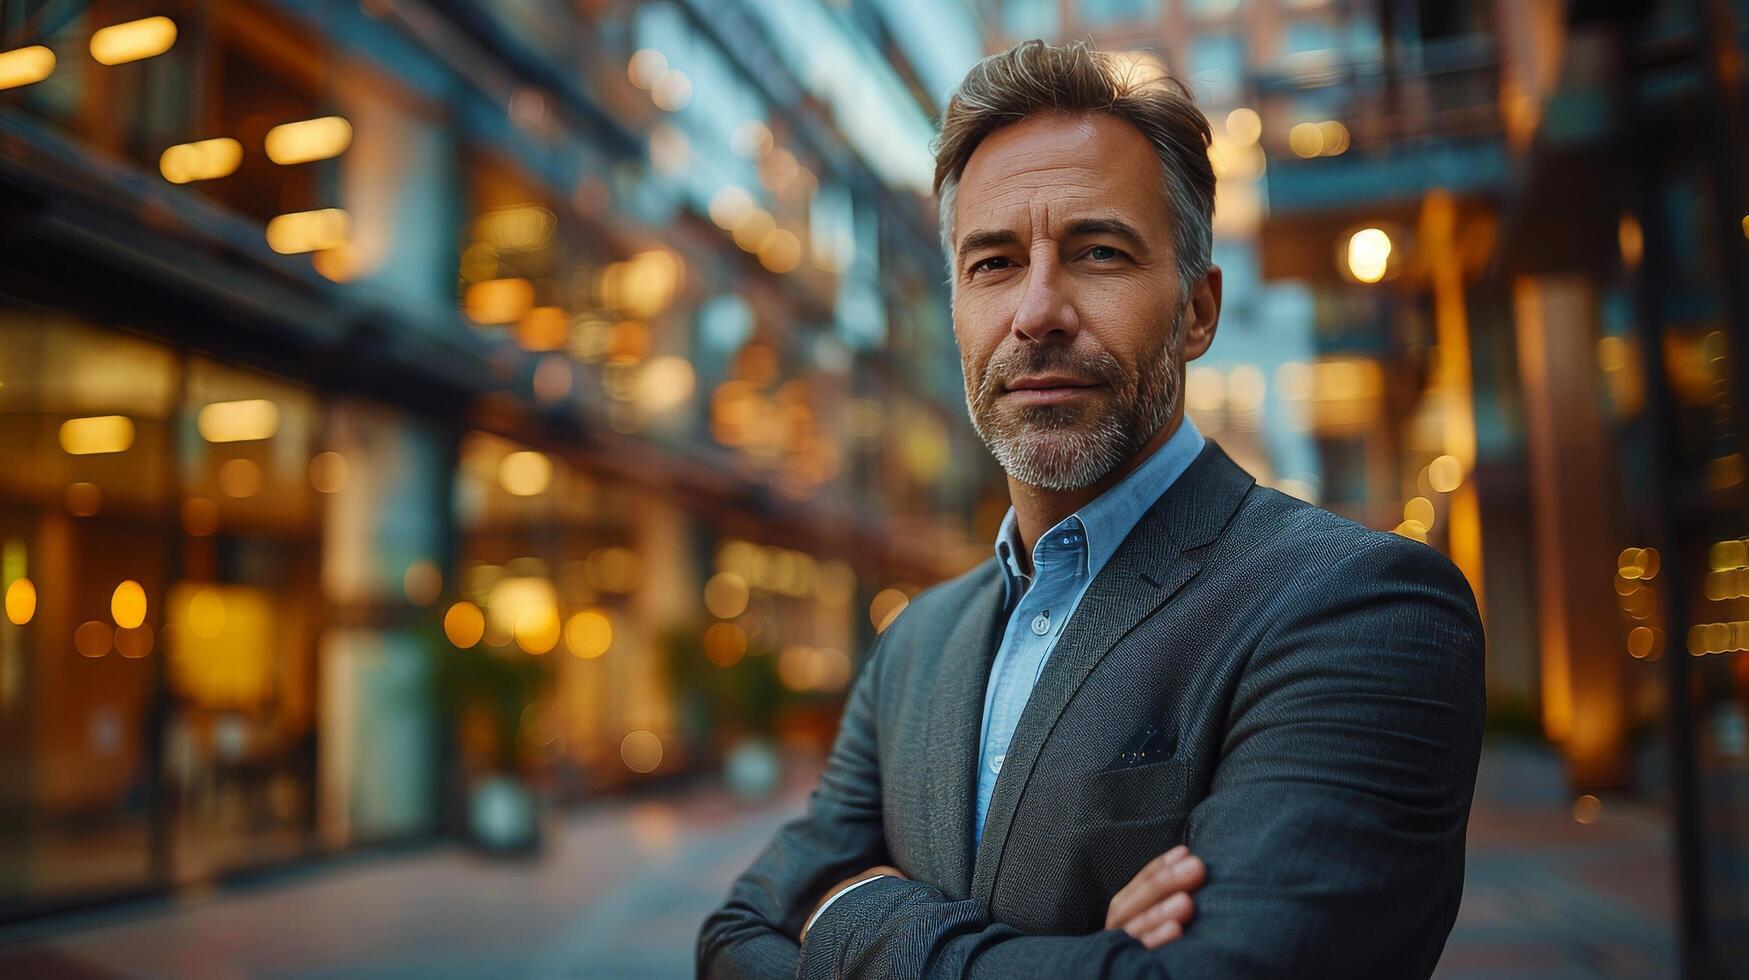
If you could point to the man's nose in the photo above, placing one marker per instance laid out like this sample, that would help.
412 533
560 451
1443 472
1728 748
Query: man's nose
1046 313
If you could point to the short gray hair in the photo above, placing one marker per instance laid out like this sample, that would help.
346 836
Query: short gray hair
1034 78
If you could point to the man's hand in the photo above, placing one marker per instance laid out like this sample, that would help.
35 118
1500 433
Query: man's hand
1155 906
873 872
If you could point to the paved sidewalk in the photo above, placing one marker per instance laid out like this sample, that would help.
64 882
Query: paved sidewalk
1546 897
622 887
619 892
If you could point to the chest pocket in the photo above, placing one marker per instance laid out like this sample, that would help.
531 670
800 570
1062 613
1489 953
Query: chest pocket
1146 792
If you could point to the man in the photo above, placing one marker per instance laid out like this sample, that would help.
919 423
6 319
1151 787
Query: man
1168 680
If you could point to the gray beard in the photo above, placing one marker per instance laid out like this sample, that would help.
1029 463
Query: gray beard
1067 447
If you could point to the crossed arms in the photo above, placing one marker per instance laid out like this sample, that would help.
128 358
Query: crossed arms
1333 830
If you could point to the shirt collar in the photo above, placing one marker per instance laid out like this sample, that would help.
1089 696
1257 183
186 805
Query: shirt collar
1108 518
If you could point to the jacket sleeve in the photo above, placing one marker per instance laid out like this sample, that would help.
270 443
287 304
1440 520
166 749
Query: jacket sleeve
754 933
1334 826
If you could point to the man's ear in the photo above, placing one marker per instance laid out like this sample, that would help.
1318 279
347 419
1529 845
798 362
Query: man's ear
1204 314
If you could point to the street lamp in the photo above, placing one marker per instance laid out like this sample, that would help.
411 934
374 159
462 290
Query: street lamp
1368 254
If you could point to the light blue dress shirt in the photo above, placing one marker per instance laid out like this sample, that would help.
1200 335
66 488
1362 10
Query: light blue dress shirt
1064 562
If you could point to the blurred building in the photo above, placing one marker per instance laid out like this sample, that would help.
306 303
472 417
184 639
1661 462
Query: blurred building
398 396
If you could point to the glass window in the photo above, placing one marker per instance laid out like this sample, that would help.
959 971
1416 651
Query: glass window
1103 13
1210 8
1031 18
1307 36
1217 67
85 558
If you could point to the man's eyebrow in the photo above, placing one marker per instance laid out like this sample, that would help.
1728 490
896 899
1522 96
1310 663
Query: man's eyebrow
1107 226
987 238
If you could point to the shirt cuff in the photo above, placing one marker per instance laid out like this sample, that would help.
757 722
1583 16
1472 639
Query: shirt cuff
835 897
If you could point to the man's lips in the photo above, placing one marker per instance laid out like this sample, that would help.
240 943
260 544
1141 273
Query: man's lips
1047 388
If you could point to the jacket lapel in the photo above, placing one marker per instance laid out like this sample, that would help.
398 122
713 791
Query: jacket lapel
1151 565
950 748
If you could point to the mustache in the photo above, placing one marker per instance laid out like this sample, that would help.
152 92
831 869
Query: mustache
1015 362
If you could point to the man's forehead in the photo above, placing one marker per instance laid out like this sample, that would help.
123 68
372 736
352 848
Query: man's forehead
1060 169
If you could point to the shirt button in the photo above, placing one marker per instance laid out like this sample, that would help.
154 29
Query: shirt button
1041 625
996 762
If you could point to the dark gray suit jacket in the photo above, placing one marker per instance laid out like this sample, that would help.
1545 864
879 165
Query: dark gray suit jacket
1295 696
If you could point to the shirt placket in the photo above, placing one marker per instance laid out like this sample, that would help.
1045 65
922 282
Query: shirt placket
1042 609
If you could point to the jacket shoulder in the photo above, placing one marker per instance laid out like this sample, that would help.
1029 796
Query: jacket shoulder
1282 531
940 605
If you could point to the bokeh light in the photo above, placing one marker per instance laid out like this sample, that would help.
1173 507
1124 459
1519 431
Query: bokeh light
127 605
464 625
588 634
641 751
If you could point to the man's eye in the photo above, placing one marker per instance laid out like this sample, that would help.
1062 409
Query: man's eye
1103 253
989 264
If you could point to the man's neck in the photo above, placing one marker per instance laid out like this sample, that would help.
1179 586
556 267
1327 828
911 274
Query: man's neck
1037 510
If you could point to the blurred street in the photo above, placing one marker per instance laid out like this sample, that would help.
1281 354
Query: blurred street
623 886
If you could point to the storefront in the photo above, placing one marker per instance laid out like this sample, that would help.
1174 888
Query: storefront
185 543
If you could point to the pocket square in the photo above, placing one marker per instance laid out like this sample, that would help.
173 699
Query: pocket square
1156 743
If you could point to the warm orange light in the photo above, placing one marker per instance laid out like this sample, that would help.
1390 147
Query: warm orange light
127 606
643 285
525 473
498 300
1306 140
725 644
537 630
464 624
1333 138
544 328
97 434
1420 511
753 228
134 40
25 66
308 231
886 607
1369 254
1244 125
1445 474
522 228
666 383
1641 642
308 140
20 601
781 251
239 421
206 614
725 595
588 634
203 160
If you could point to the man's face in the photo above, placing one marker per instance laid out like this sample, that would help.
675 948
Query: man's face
1067 305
